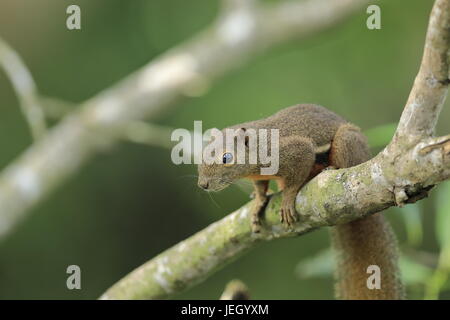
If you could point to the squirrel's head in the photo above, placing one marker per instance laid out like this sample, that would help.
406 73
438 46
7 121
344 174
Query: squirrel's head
220 167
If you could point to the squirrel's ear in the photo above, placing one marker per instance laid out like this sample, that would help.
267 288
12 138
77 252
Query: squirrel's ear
241 131
246 138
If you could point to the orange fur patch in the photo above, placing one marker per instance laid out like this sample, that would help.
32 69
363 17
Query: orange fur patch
263 177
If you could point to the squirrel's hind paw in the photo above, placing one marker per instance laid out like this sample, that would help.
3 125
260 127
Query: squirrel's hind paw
258 207
256 226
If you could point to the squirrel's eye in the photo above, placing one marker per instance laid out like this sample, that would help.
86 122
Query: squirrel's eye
227 158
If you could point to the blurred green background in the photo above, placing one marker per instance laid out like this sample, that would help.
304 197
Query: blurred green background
132 202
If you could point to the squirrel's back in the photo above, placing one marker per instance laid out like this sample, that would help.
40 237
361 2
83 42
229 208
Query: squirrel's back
307 120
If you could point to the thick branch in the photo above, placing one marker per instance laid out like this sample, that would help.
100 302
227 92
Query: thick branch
183 71
431 84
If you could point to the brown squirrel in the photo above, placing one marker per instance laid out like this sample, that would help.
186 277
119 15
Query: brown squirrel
312 138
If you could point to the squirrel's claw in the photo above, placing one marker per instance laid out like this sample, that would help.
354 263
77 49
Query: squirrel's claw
288 216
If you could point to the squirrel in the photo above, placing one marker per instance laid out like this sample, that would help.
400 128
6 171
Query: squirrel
311 139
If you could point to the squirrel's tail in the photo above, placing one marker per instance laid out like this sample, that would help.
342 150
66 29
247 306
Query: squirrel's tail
366 249
367 257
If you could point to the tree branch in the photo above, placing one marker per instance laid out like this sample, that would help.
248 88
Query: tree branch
25 88
431 84
186 70
401 173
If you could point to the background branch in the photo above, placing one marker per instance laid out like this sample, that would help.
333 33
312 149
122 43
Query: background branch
24 87
186 70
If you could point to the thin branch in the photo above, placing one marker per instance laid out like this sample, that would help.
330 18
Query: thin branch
184 71
401 173
25 89
149 134
55 108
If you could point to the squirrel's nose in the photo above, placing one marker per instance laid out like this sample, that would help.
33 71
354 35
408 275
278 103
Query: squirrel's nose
203 185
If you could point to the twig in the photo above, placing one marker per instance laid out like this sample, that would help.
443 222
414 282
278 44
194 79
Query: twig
149 134
403 172
139 132
25 88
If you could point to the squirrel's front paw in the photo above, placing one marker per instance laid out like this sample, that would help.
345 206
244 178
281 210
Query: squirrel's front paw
288 215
